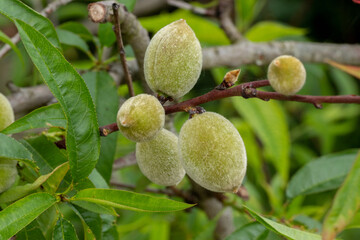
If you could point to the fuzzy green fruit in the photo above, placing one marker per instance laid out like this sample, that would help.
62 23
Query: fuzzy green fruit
173 60
8 174
286 74
159 159
6 112
141 117
213 152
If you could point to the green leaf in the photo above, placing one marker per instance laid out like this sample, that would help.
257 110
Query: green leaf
64 230
4 38
288 232
17 192
96 208
16 216
106 34
90 220
45 153
323 174
82 135
54 180
129 200
32 231
103 91
51 115
16 10
130 4
47 220
346 203
12 149
71 39
352 70
268 121
78 29
268 31
206 31
252 230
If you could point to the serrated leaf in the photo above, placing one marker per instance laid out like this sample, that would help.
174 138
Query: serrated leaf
106 34
352 70
77 28
54 180
64 230
104 92
45 153
71 39
288 232
96 208
12 149
252 230
129 200
345 204
19 214
323 174
14 9
90 220
4 38
51 115
268 121
268 31
17 192
82 133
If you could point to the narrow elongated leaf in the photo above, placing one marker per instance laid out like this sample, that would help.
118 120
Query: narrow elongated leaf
252 230
268 121
288 232
103 91
20 191
129 200
71 39
54 180
12 149
16 216
32 231
106 34
345 204
91 221
78 29
4 38
82 135
14 9
51 115
45 153
64 230
352 70
96 208
325 173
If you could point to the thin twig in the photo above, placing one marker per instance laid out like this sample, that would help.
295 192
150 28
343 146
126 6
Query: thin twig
226 17
194 9
46 12
245 90
117 30
125 161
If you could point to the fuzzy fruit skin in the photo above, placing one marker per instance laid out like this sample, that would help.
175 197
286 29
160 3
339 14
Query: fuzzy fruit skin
286 75
141 117
159 159
213 152
173 60
6 112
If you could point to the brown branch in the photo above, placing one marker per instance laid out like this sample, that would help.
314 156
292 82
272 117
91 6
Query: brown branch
226 17
194 9
117 30
46 12
125 161
132 31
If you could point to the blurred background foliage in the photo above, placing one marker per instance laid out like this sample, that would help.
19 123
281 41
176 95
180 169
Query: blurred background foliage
293 148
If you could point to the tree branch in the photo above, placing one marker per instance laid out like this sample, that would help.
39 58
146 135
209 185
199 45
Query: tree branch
263 53
121 49
226 14
46 12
